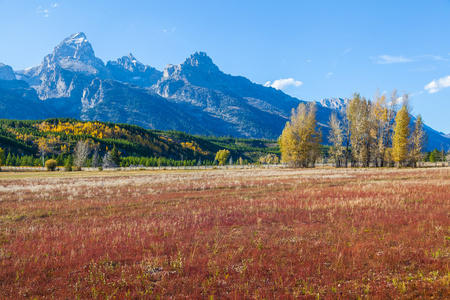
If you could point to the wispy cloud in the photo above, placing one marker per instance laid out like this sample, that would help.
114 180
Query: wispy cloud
389 59
169 31
430 56
329 74
437 85
46 11
281 84
346 51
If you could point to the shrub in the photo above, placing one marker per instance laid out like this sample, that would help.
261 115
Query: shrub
100 168
68 167
51 165
76 168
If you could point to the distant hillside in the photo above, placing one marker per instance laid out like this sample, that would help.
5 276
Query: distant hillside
61 135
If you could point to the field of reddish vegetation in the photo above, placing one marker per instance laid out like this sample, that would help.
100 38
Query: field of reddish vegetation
262 233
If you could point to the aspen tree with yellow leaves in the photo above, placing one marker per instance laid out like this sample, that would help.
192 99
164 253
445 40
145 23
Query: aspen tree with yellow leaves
381 126
358 114
401 135
417 142
336 139
300 139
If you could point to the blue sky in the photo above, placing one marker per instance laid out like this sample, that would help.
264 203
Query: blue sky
325 48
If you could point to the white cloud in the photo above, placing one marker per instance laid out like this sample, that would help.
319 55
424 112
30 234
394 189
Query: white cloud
388 59
437 85
346 51
329 74
55 5
281 84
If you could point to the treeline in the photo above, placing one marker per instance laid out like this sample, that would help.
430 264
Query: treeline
437 156
31 142
367 133
14 160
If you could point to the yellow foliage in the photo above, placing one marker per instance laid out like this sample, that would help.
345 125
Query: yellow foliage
400 138
193 146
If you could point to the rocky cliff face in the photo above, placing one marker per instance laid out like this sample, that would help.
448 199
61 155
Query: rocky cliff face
6 72
128 69
339 104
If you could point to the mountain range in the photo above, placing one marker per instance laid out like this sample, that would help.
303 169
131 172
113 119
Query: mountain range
195 96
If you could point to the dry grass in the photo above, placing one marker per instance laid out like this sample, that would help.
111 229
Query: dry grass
277 233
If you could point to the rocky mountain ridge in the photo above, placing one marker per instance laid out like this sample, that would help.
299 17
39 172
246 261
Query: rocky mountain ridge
194 96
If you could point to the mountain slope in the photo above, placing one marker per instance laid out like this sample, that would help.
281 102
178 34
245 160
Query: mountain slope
19 101
250 109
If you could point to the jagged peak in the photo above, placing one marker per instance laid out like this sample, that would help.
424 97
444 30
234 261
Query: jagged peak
74 47
132 58
77 39
335 103
200 60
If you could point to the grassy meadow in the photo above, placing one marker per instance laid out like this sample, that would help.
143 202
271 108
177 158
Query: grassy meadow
230 234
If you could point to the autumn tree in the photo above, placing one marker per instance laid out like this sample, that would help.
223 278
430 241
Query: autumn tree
81 153
51 165
379 130
417 141
222 156
358 114
300 139
95 158
400 137
108 161
336 138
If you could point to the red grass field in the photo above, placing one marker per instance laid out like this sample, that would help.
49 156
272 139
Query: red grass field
277 233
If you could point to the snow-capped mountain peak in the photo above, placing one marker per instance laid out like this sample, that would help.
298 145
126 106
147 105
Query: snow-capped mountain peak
76 40
335 103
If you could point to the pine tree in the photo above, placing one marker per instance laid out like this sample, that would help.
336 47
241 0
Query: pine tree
400 138
115 156
2 157
9 160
